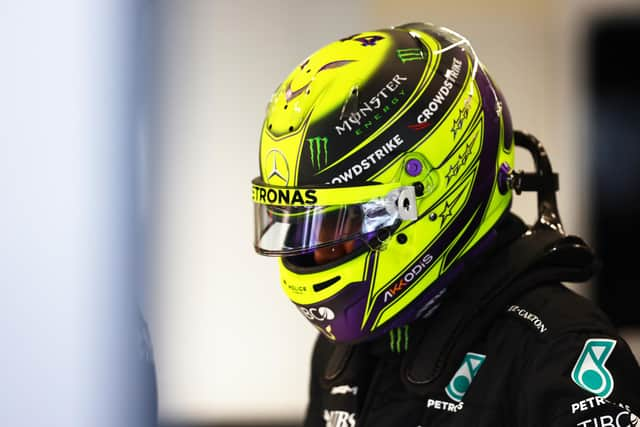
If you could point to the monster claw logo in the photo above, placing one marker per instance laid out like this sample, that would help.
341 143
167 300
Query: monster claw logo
411 54
318 151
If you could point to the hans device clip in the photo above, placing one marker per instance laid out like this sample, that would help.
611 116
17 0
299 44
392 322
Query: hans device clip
543 181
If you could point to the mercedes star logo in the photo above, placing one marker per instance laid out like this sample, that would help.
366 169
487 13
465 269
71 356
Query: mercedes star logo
279 174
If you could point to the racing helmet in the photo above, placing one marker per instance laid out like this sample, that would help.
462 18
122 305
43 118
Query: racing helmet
383 158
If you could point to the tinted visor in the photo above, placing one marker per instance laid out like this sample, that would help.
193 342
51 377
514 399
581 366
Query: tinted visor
282 230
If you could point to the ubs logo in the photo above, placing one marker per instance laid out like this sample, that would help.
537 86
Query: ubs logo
339 418
279 172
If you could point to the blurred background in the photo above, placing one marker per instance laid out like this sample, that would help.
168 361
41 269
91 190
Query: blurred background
129 134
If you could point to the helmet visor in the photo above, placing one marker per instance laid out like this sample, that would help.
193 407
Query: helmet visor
324 217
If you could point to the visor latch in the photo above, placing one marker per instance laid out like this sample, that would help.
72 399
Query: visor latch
401 203
407 209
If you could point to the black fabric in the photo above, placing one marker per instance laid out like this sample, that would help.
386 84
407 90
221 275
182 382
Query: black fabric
476 306
529 331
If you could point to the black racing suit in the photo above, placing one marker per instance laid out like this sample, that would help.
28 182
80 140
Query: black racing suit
511 350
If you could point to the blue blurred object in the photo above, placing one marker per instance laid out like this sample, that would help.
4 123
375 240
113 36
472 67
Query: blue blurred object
147 368
71 257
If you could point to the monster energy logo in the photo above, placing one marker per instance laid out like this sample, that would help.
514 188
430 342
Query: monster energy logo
396 338
411 54
318 151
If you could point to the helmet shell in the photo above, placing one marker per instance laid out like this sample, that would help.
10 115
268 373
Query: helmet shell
411 105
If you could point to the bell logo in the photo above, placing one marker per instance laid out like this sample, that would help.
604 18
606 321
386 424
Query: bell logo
590 372
464 376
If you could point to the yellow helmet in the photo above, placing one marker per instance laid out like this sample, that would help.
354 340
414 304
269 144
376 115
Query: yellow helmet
383 159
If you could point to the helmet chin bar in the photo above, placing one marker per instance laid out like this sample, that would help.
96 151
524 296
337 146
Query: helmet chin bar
544 181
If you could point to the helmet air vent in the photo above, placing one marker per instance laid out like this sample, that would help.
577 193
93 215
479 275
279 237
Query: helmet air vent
350 105
324 285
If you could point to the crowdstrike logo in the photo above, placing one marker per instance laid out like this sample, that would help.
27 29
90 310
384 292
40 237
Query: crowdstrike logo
354 171
451 76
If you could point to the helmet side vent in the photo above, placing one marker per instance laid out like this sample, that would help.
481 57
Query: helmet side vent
324 285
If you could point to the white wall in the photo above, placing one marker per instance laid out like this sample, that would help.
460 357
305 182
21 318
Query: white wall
228 343
66 311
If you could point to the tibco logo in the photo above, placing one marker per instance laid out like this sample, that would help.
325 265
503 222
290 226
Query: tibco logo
319 314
